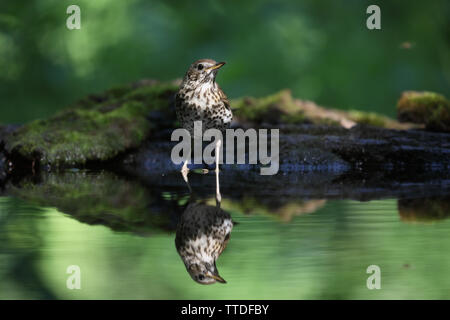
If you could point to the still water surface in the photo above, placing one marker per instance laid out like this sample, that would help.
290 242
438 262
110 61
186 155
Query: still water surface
306 249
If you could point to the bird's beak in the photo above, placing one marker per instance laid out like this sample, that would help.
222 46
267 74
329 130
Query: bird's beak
217 278
216 66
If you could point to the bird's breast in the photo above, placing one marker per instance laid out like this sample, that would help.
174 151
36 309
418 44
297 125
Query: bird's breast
203 97
206 245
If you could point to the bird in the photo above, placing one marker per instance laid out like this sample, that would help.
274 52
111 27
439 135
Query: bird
200 98
202 234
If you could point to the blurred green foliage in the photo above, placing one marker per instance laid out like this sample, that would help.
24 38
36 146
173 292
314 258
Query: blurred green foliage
321 50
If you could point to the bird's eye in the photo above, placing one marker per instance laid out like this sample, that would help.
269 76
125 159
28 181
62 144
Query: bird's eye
201 277
200 67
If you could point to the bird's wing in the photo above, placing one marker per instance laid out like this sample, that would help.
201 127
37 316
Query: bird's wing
224 244
178 100
178 106
224 99
226 103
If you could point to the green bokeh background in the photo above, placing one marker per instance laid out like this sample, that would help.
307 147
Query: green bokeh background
321 50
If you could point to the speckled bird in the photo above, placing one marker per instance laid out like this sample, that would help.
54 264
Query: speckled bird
202 234
201 99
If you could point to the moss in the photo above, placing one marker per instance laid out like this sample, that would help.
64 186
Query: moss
101 126
440 119
294 118
368 118
96 128
276 108
282 108
429 108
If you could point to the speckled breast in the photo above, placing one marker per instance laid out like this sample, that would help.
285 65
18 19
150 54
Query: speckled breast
216 116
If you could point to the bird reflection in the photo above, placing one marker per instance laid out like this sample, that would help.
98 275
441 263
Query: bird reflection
202 234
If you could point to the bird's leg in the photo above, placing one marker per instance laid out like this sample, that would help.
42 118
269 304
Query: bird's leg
184 173
185 170
218 196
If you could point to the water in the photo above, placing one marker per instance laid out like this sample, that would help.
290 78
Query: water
121 232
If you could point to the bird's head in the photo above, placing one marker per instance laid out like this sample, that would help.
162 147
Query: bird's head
202 71
204 273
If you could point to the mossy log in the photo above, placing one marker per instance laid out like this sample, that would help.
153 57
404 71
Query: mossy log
97 128
429 108
103 126
282 108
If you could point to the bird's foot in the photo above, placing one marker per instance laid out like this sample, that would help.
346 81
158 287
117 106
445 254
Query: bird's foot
200 171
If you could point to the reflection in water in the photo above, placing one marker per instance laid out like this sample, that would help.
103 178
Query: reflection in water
281 209
298 208
100 198
202 234
310 256
424 209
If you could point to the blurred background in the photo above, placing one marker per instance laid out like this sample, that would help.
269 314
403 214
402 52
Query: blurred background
321 50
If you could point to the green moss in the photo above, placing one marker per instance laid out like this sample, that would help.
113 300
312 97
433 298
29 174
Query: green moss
282 108
368 118
324 122
156 95
429 108
440 119
276 108
293 118
96 128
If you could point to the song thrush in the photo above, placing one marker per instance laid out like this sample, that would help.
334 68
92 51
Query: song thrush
202 234
201 99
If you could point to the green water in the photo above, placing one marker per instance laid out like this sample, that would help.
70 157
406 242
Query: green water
322 254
